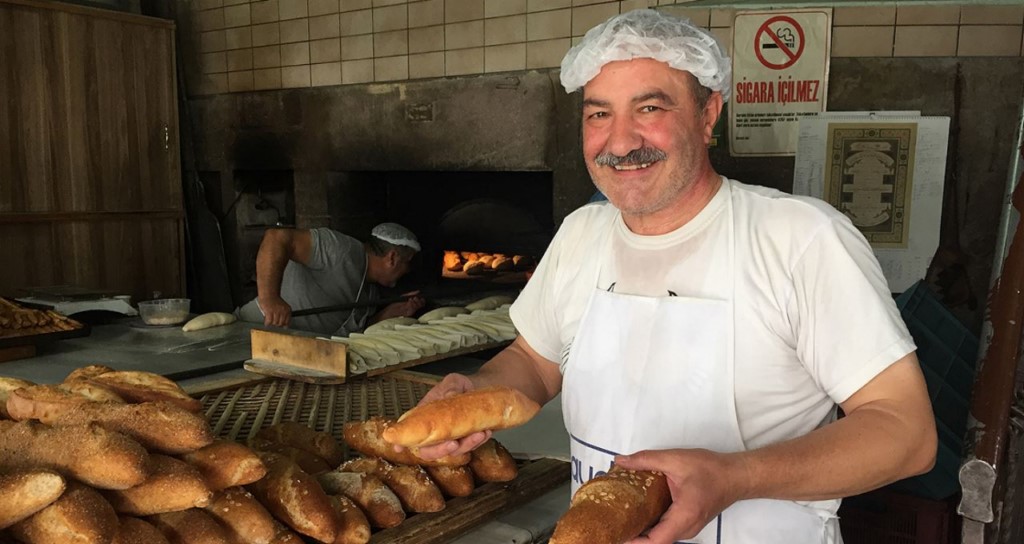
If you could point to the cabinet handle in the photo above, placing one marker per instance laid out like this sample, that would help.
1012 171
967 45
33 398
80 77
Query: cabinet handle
167 137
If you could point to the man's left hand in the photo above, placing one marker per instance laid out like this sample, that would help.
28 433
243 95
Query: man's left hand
703 483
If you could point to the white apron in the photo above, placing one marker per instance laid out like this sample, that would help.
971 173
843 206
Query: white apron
658 373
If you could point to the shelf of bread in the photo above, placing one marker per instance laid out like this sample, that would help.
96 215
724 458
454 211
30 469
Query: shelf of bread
19 324
112 456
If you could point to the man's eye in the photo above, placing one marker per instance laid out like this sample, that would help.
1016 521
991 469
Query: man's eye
598 115
649 109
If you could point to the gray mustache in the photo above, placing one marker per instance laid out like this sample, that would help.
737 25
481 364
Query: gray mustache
644 155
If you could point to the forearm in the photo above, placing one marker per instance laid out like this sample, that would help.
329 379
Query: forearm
517 366
869 448
271 261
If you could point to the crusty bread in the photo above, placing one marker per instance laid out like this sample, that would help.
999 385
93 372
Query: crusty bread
8 386
191 526
308 462
302 437
86 372
414 489
172 485
138 386
613 508
285 535
491 462
355 528
88 453
379 503
43 402
366 437
489 408
136 531
92 391
159 426
24 493
453 481
80 516
294 497
226 464
245 519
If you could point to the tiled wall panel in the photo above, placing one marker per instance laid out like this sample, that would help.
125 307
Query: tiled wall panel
245 45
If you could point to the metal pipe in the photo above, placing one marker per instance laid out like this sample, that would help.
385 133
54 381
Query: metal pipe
1000 346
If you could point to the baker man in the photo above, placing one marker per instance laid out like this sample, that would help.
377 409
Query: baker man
299 268
706 328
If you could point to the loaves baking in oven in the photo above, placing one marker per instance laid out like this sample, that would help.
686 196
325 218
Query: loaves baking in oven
613 508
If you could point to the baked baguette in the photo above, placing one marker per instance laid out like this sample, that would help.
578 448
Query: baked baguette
381 506
8 386
366 438
294 497
136 531
450 418
355 528
43 402
159 426
138 386
86 372
246 520
613 508
491 462
80 516
453 481
88 453
191 526
414 489
24 493
92 391
302 437
172 485
308 462
225 464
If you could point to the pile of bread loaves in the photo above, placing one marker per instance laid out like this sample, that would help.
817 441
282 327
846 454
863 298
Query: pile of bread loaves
127 457
16 320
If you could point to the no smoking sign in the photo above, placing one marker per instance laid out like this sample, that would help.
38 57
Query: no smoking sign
779 42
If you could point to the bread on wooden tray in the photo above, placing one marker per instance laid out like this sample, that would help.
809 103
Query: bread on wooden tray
354 527
137 531
295 497
226 464
453 481
80 516
88 453
138 386
491 462
415 490
366 437
488 408
23 493
308 462
246 520
302 437
613 508
375 499
172 485
192 526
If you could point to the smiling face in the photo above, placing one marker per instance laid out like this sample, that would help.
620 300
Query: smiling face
645 142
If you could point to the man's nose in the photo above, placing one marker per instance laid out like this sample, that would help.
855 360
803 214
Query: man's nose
623 136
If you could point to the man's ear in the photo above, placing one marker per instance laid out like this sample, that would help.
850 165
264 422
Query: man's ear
712 111
392 257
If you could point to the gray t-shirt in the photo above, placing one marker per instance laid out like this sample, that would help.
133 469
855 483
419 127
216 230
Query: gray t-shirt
335 275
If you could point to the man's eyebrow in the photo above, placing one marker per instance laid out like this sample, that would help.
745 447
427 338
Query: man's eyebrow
595 103
655 95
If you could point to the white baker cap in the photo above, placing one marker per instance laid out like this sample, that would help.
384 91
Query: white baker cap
646 33
395 234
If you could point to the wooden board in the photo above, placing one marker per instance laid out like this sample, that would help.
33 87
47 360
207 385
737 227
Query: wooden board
325 357
307 375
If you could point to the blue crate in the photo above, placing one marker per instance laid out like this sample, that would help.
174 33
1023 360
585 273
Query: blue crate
948 352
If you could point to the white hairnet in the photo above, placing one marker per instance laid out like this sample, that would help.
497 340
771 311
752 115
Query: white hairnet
646 33
396 234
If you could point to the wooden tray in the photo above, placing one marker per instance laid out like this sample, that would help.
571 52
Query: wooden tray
237 413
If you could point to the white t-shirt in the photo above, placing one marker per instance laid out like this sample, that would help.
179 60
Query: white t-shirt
814 317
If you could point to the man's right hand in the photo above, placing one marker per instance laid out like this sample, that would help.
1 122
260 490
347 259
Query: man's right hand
276 312
451 385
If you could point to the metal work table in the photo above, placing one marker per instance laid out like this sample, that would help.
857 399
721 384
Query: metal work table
198 359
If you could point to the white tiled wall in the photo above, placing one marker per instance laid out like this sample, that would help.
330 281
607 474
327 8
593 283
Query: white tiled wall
246 45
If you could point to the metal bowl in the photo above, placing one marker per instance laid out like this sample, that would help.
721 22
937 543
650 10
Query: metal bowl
164 311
